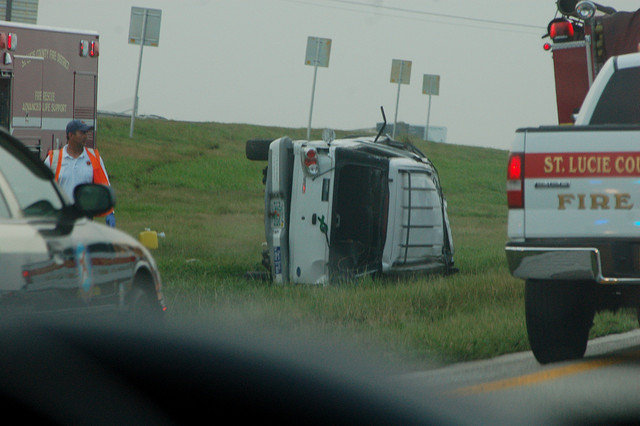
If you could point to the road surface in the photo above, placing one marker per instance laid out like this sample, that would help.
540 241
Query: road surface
515 389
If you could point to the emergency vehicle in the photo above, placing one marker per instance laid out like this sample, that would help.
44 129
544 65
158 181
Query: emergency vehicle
582 39
574 214
48 77
572 191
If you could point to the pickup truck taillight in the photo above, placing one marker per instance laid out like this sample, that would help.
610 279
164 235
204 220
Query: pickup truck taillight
515 181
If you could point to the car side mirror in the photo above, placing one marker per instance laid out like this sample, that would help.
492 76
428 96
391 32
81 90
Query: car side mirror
92 199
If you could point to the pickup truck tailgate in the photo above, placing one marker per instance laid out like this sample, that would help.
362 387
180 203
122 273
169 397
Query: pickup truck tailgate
582 182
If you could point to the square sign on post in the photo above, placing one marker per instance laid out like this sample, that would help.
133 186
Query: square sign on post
318 52
400 74
151 27
431 84
400 71
317 55
144 29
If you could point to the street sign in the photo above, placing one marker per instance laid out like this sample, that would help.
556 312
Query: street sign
400 71
431 84
144 29
318 51
317 55
400 74
25 11
151 26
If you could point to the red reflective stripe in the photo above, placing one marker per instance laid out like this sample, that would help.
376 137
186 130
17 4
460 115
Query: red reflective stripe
582 164
99 175
59 166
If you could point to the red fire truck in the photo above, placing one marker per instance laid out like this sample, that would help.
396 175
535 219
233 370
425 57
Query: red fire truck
582 40
48 76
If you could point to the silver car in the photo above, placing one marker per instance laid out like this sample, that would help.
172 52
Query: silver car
54 257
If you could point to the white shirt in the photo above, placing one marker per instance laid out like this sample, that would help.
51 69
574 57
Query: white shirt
74 171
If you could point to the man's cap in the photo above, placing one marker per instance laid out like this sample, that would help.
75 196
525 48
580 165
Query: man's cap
75 125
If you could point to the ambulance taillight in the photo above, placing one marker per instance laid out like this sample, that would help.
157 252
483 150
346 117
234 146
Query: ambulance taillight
12 41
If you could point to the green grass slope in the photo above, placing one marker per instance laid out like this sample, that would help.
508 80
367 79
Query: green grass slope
193 182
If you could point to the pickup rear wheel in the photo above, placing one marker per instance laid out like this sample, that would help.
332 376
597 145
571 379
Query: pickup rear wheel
559 315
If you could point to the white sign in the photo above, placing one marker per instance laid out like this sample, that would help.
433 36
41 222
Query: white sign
431 84
151 27
318 51
400 71
19 11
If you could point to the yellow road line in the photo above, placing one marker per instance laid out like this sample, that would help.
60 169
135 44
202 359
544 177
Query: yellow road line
543 376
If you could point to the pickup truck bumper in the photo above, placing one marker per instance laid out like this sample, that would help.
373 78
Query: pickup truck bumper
560 263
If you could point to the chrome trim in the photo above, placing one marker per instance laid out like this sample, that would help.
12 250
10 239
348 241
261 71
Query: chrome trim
568 45
560 263
551 185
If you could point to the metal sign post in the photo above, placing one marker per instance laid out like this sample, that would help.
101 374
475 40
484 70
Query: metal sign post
401 74
318 52
430 86
144 29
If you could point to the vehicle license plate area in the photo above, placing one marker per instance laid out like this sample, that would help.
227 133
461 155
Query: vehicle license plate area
277 214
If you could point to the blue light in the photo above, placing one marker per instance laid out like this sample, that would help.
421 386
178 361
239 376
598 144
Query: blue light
598 182
601 222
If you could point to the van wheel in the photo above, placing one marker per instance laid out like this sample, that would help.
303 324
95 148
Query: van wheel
559 316
258 149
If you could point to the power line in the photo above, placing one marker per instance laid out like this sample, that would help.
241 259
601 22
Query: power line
439 15
360 10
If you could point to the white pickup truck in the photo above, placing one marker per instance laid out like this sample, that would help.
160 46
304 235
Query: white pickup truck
350 207
574 214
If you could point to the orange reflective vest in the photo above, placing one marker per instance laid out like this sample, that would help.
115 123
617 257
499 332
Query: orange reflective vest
99 175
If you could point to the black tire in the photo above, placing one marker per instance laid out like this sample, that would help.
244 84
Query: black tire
258 149
559 316
143 307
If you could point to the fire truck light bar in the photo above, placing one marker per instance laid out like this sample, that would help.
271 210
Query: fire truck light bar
561 29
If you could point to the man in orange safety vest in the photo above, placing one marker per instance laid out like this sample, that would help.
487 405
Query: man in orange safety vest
74 164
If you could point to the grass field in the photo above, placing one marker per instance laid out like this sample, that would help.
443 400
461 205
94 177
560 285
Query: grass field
193 182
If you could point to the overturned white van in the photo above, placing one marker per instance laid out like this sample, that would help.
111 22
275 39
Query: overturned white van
350 207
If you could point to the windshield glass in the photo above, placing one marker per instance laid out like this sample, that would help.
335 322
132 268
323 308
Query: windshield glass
36 195
619 102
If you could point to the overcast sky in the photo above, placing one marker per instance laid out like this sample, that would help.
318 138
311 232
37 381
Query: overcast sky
242 61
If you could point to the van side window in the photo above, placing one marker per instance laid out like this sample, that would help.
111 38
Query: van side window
620 99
